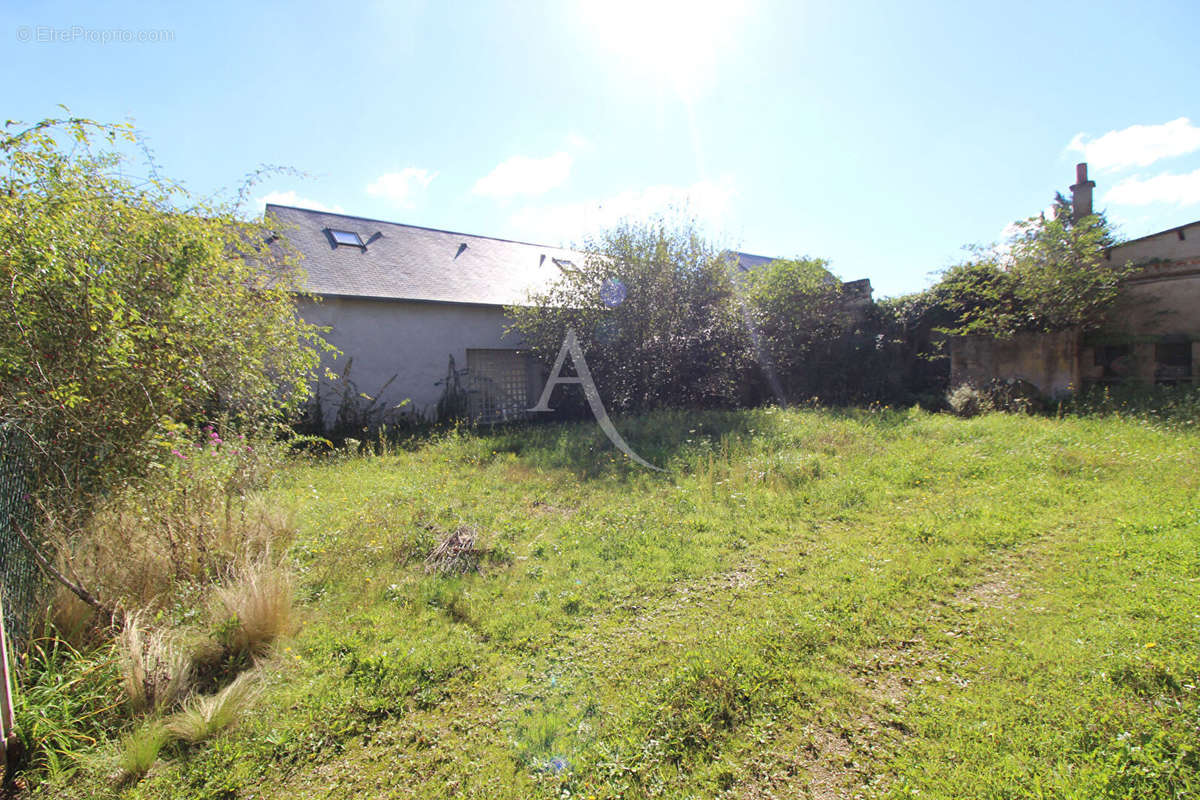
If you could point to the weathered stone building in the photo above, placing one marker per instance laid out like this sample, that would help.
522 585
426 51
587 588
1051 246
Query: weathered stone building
1153 335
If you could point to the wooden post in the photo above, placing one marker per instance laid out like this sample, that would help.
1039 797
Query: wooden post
8 733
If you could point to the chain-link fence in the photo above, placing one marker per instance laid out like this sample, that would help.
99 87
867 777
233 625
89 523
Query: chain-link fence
21 581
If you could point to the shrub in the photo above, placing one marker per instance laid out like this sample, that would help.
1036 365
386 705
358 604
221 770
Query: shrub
812 339
1050 275
655 310
127 302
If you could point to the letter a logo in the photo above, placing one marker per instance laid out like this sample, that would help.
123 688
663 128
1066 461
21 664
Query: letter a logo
571 346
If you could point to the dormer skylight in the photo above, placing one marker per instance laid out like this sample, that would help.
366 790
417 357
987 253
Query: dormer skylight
349 238
564 264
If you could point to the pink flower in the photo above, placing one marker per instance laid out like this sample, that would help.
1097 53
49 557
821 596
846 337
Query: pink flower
181 455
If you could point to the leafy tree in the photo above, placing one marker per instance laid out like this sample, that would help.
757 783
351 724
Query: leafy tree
1050 275
126 304
802 327
655 310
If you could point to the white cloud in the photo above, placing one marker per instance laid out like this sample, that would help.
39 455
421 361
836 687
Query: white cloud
290 198
709 202
401 188
524 175
1182 190
1138 145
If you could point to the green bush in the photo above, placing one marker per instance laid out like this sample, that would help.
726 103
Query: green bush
126 302
654 308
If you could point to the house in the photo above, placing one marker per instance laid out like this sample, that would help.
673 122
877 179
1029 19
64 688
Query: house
406 305
1153 335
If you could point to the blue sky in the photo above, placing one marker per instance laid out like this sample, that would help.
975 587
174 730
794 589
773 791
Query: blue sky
881 136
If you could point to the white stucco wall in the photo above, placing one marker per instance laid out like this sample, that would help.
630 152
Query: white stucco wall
410 340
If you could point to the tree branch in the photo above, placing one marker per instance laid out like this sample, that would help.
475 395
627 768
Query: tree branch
76 589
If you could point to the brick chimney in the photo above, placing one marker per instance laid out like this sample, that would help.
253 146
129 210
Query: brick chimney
1081 193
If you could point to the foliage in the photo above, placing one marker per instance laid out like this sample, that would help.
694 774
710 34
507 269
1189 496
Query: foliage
184 525
916 359
65 703
811 339
1171 407
667 320
655 310
1050 275
139 750
358 414
156 670
193 535
126 302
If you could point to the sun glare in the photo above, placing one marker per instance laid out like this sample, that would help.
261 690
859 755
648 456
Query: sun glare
675 42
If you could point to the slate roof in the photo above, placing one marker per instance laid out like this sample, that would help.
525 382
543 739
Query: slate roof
412 263
749 261
407 262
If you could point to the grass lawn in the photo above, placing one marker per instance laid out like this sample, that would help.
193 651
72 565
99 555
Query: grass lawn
805 604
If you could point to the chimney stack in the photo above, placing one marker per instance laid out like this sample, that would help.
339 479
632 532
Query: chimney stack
1081 194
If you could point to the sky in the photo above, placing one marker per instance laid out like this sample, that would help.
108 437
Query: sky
882 136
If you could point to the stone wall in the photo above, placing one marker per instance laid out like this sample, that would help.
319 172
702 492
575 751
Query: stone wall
1050 361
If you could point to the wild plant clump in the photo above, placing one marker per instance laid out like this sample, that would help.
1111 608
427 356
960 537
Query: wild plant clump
254 606
1013 396
456 554
195 516
967 401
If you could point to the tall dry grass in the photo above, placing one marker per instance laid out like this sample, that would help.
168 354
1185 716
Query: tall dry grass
254 607
156 668
203 716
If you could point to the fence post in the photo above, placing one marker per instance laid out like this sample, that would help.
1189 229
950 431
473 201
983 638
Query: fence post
8 724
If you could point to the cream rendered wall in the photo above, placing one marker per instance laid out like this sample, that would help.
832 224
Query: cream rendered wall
1161 245
1164 299
410 340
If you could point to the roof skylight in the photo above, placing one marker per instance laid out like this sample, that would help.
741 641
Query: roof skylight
347 237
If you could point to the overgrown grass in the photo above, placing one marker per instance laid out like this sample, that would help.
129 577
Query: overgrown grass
202 717
187 563
873 602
